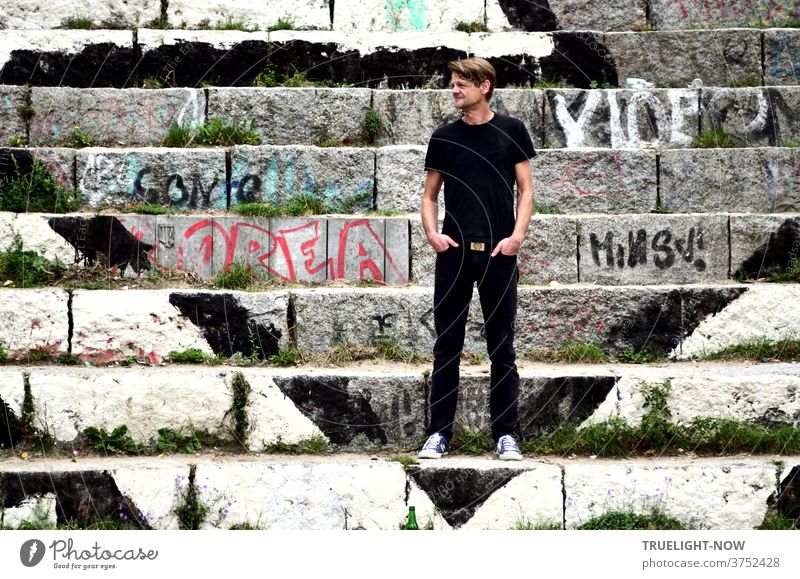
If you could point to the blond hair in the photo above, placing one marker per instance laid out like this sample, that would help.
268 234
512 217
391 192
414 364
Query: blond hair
475 70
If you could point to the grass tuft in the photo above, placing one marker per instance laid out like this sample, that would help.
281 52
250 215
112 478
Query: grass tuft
787 349
621 521
35 192
296 207
214 133
27 268
236 276
713 139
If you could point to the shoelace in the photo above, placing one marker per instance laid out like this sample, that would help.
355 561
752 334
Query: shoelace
507 444
433 443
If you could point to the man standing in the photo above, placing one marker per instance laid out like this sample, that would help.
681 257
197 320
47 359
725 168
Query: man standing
478 158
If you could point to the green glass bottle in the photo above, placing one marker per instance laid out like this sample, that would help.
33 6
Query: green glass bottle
411 522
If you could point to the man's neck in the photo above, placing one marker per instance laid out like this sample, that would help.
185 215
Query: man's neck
479 115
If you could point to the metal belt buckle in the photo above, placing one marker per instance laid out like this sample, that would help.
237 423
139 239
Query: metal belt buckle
477 246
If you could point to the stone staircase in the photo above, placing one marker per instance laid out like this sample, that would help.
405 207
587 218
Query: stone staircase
644 244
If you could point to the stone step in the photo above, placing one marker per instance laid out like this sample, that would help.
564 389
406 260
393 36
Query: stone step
374 408
433 16
391 178
601 249
358 493
102 326
187 58
555 118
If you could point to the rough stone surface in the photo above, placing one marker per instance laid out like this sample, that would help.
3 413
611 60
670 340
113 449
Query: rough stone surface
356 495
359 411
41 509
79 58
109 326
652 249
36 235
34 319
359 250
781 58
132 117
301 247
754 117
719 58
478 494
181 179
144 399
400 178
598 181
430 16
303 14
273 416
763 245
423 257
293 115
765 180
151 486
253 325
343 178
620 119
58 162
11 123
547 254
681 14
760 313
37 14
588 15
703 495
760 393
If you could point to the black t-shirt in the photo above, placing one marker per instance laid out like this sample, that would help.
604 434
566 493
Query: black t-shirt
477 163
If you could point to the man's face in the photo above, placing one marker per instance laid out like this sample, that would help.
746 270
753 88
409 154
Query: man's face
467 94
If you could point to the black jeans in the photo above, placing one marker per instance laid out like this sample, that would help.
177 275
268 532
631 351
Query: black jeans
457 269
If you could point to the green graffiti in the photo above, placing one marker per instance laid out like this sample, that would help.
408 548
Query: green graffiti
415 14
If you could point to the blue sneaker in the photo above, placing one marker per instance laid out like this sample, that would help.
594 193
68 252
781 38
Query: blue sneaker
507 448
435 447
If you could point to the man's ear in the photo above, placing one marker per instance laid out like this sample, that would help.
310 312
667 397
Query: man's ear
485 86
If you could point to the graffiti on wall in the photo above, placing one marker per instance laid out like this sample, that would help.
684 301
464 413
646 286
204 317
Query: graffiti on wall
311 251
715 10
624 120
784 60
667 249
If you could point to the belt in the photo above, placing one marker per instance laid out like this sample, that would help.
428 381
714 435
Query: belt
477 246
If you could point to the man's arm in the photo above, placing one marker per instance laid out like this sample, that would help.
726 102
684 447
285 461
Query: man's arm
430 212
511 245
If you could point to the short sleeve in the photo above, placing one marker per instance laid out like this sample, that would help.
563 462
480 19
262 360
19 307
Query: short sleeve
435 157
523 146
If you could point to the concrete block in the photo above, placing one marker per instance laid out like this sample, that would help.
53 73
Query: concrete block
144 399
423 257
397 265
12 124
273 416
37 14
760 313
110 326
293 115
548 253
303 14
131 117
360 251
79 58
620 119
400 178
300 249
651 249
343 178
36 235
781 57
473 493
182 179
761 180
372 493
763 245
152 487
587 15
683 15
34 319
754 117
360 411
325 317
675 58
599 181
411 116
431 16
704 495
